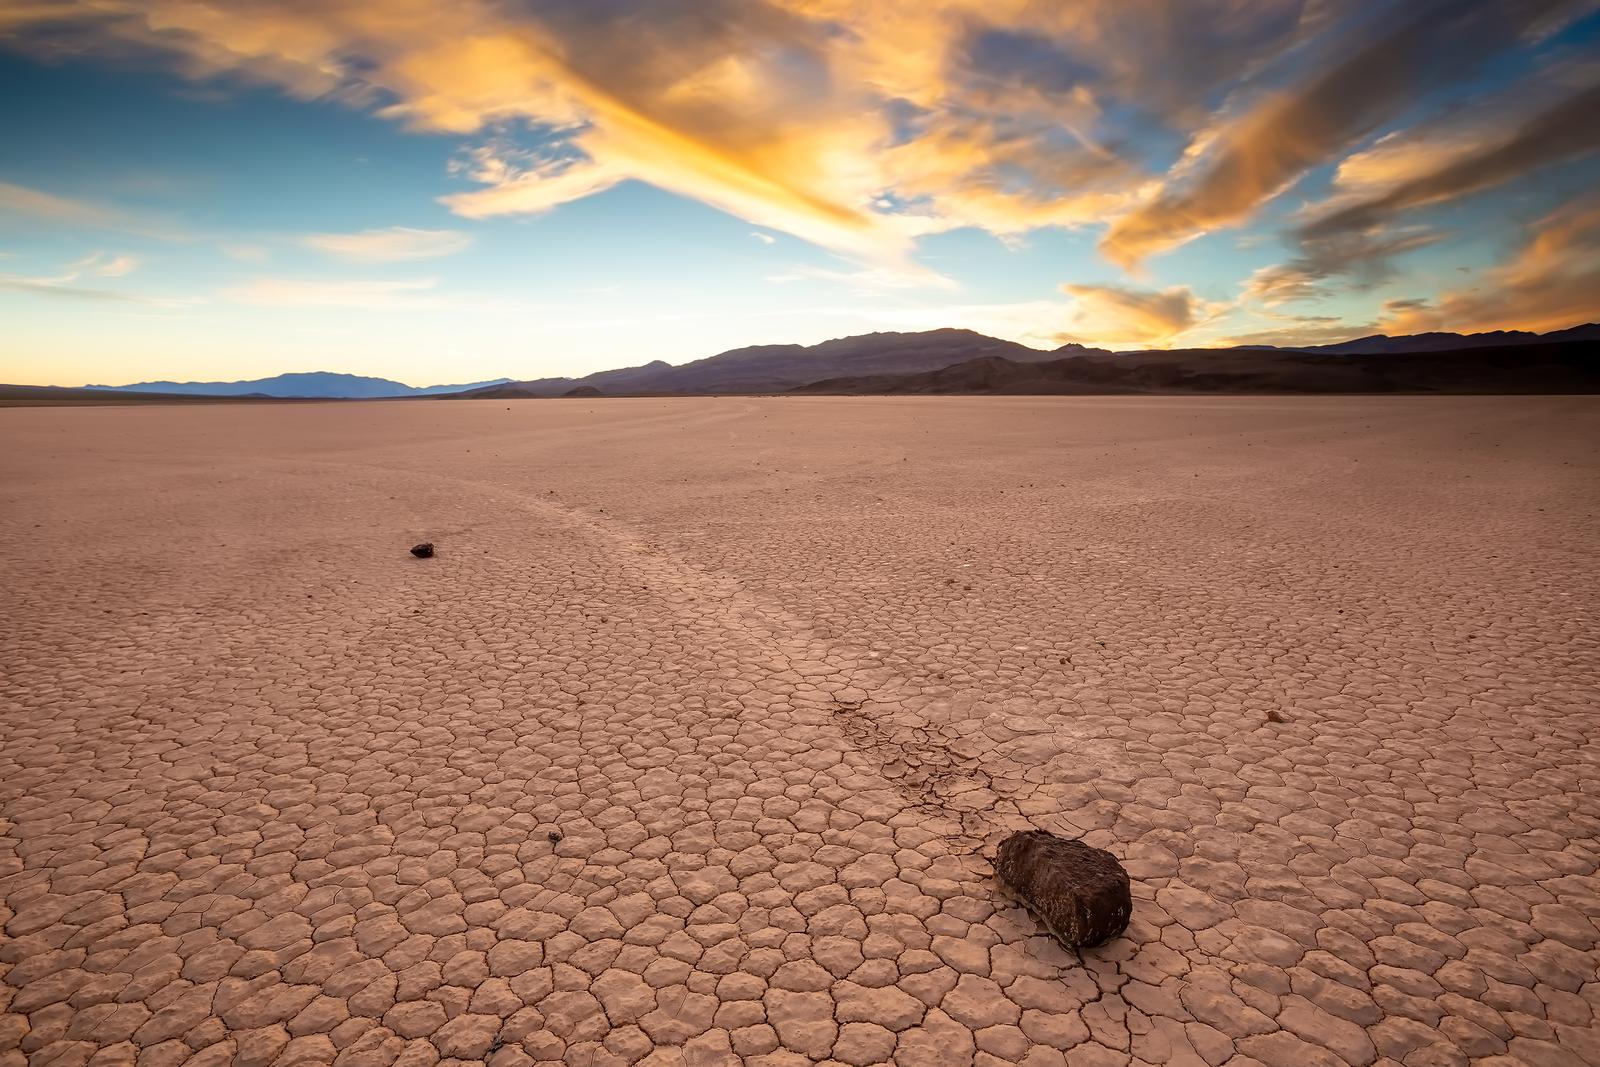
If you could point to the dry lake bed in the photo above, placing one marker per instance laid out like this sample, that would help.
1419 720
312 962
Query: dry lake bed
694 740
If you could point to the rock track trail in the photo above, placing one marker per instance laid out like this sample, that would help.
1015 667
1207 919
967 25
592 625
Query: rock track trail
673 757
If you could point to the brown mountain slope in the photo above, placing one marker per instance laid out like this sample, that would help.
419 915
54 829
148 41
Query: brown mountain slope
1447 342
779 368
1571 367
876 363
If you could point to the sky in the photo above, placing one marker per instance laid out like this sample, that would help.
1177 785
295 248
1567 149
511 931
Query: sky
441 193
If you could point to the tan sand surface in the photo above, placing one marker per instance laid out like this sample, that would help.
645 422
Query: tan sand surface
780 673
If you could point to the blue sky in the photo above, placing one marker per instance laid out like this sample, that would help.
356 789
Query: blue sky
204 191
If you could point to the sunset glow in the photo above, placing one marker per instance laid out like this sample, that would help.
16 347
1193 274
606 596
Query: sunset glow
208 190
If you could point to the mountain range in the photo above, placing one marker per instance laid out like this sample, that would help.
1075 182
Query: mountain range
1378 344
953 360
962 361
779 368
305 385
1560 367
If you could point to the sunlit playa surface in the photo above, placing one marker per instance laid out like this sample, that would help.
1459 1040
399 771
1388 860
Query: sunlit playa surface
695 738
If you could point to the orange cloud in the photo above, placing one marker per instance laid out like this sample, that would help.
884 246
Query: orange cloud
1354 235
1243 162
715 105
860 127
1565 130
1116 315
776 112
1553 282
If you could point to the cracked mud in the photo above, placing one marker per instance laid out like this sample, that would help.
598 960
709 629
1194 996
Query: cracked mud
693 743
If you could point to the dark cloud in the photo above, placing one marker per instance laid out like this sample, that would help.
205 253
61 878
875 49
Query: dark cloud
1365 259
1376 70
1567 130
1553 281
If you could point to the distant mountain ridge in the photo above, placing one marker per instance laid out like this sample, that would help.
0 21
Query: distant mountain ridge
961 360
300 385
957 360
1379 343
779 368
1560 367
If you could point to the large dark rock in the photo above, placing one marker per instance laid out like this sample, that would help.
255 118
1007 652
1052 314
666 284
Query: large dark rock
423 551
1079 892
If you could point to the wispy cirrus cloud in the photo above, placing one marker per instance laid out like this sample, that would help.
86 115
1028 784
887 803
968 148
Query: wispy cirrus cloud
56 290
393 244
516 182
246 252
64 284
104 265
101 264
864 279
36 205
407 294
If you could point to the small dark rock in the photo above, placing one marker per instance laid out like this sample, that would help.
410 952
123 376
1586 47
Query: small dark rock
555 838
1079 892
1275 716
423 551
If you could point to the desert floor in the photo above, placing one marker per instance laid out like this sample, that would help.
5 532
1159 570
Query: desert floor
692 741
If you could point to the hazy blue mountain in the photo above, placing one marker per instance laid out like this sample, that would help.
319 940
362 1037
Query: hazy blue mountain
308 384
